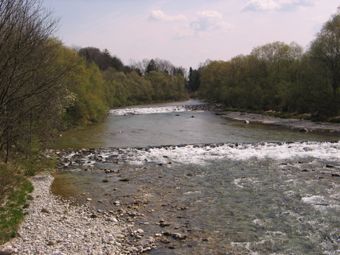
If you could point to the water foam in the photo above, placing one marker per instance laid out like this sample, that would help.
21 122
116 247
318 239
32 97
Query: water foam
205 154
192 154
148 110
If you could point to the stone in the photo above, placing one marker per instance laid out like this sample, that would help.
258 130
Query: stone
50 243
140 231
176 236
44 210
163 224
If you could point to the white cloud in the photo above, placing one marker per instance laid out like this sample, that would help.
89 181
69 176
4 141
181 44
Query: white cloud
275 5
208 20
210 14
159 15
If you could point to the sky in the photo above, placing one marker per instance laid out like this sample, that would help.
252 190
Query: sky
187 32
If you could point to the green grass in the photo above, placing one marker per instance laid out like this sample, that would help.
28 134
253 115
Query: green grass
14 188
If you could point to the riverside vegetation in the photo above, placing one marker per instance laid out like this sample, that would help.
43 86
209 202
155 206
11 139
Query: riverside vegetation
278 77
46 88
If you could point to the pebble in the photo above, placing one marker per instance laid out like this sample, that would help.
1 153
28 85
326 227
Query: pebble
68 229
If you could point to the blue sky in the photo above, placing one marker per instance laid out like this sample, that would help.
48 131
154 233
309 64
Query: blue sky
187 32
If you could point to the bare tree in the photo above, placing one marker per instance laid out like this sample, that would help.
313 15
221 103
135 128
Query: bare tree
30 78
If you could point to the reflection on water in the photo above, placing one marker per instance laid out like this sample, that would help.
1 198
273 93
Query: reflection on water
176 128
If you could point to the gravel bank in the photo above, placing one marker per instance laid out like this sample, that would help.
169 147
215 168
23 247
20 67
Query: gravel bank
55 227
295 124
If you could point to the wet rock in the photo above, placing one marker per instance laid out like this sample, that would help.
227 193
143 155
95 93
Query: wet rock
164 224
164 241
335 175
124 180
176 236
105 181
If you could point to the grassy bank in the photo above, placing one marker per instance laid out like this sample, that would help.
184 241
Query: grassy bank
15 188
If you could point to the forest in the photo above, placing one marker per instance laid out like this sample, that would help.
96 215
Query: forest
278 77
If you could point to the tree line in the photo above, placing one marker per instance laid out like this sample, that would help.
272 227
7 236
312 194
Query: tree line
46 87
278 77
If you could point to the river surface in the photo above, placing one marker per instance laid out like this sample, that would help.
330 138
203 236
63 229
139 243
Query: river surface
201 184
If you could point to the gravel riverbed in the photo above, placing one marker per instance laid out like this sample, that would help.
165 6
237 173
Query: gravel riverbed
54 226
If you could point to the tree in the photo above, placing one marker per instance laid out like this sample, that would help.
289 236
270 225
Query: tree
193 80
30 78
326 50
103 60
151 66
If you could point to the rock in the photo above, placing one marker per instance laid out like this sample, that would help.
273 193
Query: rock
176 236
93 216
89 199
335 175
163 224
124 180
50 243
7 251
44 210
140 231
105 180
304 130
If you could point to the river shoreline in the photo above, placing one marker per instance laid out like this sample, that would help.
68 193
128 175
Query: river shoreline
294 124
301 125
55 226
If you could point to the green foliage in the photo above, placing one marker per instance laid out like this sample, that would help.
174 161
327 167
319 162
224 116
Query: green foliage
14 189
280 78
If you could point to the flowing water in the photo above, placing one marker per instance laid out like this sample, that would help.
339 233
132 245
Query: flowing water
217 187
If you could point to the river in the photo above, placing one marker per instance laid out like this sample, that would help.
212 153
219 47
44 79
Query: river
201 184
